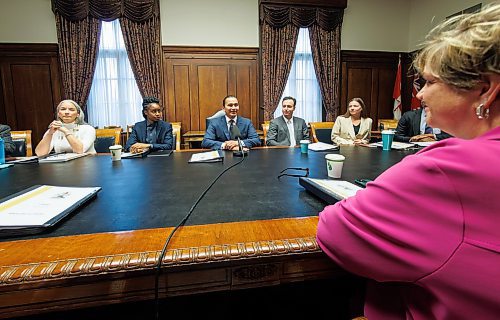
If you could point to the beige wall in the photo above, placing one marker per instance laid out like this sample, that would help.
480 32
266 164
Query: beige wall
426 14
377 25
27 21
210 22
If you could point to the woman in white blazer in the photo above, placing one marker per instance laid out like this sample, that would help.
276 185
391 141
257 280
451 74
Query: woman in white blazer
353 127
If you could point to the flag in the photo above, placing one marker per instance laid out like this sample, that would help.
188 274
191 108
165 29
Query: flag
415 103
396 94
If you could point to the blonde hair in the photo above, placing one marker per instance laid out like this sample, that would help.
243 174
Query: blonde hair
81 116
462 49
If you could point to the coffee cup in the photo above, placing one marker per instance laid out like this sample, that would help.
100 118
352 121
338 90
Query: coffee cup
387 137
334 164
116 152
304 146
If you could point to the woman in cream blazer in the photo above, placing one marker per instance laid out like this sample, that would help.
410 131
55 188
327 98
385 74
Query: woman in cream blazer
353 127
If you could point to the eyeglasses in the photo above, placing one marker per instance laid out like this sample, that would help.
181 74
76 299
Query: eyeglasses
298 175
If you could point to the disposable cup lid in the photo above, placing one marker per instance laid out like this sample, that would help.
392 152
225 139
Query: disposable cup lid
116 146
334 157
387 132
305 141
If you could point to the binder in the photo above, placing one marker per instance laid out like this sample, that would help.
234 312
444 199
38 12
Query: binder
41 207
328 190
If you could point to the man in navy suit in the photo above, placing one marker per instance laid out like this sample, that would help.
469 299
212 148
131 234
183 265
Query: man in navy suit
412 127
218 134
153 133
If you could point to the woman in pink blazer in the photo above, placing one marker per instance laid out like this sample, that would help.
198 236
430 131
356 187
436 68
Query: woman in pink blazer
427 231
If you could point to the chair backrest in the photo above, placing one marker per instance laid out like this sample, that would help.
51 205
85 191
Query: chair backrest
105 138
265 128
22 141
218 114
176 132
388 123
129 129
321 131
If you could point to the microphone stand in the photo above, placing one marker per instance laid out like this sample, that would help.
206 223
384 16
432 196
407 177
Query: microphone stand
240 152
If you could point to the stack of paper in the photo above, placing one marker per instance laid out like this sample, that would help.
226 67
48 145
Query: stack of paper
61 157
321 146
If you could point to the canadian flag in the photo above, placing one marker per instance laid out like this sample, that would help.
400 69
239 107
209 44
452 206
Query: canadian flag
396 94
415 103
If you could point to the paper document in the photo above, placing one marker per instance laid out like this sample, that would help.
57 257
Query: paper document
343 189
210 156
321 146
40 205
61 157
126 155
395 145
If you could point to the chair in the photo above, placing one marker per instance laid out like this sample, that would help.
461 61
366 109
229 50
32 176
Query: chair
388 124
321 131
265 128
105 138
218 114
176 132
22 141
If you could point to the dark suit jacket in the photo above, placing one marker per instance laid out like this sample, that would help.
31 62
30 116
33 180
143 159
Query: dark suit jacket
7 139
163 141
217 133
409 126
278 134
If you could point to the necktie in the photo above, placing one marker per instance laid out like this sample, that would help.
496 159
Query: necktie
231 125
428 129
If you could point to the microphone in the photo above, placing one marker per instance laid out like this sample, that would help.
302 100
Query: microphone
236 135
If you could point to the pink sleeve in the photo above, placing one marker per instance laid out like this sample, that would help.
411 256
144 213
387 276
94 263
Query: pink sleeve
403 226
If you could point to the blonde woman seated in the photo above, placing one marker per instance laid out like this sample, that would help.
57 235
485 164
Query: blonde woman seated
68 133
353 127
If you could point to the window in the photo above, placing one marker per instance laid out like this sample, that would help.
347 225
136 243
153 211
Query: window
114 97
302 83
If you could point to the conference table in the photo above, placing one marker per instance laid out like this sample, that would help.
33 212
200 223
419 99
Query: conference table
251 229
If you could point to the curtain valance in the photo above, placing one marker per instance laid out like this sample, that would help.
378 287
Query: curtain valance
303 17
107 10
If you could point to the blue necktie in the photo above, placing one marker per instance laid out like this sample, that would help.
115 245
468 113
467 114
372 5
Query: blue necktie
428 129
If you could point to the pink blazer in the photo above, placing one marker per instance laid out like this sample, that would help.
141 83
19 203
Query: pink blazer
430 225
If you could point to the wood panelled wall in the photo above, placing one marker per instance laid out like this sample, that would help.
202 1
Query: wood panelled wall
30 86
370 75
197 79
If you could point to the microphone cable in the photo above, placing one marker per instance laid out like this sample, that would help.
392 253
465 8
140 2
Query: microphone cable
180 224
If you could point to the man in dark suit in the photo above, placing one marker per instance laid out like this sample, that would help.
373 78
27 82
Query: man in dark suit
153 133
218 134
287 130
7 139
413 128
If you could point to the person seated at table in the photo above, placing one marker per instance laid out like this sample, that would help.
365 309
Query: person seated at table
153 133
353 127
9 145
68 133
287 130
426 231
412 127
219 131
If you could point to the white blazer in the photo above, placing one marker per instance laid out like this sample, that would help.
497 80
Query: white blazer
343 131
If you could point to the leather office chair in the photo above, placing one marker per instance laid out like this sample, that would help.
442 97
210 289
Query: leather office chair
321 131
22 141
218 114
176 132
106 138
387 124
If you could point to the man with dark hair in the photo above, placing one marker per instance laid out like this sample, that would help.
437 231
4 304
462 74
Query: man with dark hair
412 127
287 130
7 139
153 133
219 131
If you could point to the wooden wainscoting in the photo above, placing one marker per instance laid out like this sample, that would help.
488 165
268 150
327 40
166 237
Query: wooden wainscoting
370 75
30 87
196 79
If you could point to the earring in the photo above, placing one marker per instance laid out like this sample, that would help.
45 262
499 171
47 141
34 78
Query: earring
482 113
